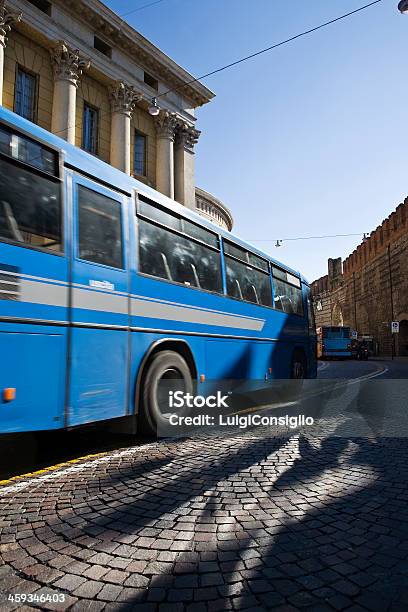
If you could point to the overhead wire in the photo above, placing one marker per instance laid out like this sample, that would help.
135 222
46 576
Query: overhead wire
140 8
252 55
274 46
307 237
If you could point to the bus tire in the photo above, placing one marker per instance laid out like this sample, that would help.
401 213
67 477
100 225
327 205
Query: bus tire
298 371
165 365
299 366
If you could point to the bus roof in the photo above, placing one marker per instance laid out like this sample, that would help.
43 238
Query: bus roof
103 172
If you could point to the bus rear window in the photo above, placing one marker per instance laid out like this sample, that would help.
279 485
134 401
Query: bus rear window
30 207
336 332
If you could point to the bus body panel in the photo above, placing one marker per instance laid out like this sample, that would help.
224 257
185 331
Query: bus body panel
33 362
225 323
99 314
40 281
98 382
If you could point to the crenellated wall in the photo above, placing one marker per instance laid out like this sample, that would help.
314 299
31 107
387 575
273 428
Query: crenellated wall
372 289
392 228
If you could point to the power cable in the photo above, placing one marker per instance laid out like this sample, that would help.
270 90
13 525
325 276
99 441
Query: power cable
307 237
279 241
275 46
140 8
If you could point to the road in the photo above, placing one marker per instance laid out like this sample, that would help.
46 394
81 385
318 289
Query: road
387 369
56 447
310 520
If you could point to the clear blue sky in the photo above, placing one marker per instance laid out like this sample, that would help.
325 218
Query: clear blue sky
309 139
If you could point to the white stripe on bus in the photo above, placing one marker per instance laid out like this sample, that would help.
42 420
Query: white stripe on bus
43 293
100 301
49 294
155 310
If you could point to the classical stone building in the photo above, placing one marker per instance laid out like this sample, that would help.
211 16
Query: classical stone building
213 209
370 289
80 71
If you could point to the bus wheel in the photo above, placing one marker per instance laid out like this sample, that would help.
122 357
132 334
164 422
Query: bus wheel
167 372
291 390
299 367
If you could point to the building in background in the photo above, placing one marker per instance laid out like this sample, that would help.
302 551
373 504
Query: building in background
77 69
213 209
370 289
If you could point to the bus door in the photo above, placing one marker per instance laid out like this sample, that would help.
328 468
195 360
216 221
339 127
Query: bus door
99 304
33 284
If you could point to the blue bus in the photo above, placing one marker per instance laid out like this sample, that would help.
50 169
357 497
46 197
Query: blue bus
335 341
108 287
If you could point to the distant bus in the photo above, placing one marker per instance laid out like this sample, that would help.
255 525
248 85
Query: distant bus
334 342
107 287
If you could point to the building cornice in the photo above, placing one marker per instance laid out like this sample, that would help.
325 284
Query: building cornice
47 31
107 23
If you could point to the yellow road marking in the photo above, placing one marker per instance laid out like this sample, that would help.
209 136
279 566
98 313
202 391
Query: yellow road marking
51 468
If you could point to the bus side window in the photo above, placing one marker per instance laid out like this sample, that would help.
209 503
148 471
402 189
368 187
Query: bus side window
288 298
168 255
30 196
247 283
99 228
196 265
153 250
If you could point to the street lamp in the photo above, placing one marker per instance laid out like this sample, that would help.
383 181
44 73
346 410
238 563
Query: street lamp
154 109
403 7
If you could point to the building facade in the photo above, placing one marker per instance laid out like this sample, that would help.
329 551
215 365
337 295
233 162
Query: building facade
213 209
370 289
80 71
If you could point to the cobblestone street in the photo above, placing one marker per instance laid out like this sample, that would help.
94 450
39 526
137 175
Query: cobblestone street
245 522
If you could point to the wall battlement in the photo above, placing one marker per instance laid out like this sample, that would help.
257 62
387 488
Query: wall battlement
390 230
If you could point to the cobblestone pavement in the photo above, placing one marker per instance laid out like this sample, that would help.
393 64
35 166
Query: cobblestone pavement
245 522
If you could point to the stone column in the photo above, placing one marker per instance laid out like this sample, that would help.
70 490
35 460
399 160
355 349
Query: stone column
184 175
123 100
68 67
7 18
165 128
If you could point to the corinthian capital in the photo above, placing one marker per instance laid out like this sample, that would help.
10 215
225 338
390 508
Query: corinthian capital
187 136
7 18
124 98
67 63
166 124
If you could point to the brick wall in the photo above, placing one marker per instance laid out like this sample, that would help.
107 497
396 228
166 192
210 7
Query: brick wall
362 297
